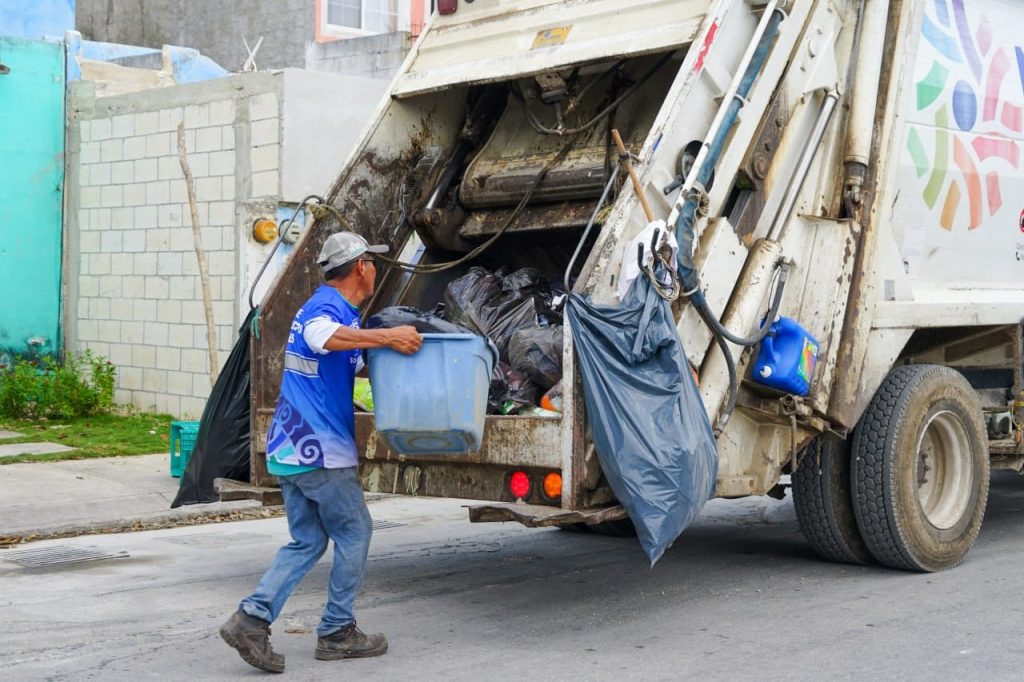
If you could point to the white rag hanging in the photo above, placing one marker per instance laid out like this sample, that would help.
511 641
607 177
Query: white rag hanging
630 268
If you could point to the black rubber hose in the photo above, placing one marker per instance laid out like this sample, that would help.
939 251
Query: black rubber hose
723 336
734 382
713 323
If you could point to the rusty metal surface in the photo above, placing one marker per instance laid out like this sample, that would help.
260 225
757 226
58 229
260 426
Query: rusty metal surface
509 162
503 182
537 516
847 398
435 478
759 170
508 441
565 215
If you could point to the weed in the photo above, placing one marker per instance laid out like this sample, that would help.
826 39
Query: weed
82 385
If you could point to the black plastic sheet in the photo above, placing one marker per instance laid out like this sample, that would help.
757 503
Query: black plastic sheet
646 417
222 444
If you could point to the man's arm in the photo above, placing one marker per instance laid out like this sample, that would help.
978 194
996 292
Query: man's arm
403 339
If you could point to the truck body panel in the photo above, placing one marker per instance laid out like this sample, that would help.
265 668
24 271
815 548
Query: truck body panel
920 262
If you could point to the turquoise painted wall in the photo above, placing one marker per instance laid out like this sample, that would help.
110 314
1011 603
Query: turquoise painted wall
31 202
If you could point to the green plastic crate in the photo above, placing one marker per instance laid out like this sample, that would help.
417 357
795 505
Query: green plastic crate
183 439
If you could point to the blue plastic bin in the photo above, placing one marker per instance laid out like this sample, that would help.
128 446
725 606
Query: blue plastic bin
434 401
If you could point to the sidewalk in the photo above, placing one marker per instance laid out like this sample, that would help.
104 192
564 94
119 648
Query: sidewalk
48 499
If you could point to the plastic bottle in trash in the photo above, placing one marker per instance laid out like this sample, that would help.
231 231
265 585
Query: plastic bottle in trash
552 400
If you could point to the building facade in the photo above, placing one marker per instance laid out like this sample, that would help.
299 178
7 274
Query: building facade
323 35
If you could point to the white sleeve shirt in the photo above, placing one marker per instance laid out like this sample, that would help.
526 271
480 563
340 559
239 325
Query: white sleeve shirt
318 331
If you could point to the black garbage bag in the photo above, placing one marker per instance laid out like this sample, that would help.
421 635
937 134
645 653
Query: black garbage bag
495 305
537 353
425 323
222 444
646 417
506 317
465 298
510 391
522 283
528 282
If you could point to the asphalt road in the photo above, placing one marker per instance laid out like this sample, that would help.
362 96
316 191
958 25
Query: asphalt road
740 596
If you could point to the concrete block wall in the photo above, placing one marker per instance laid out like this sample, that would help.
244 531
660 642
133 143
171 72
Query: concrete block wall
132 268
257 144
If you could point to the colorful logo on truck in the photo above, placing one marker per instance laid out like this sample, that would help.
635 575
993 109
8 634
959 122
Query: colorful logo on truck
966 93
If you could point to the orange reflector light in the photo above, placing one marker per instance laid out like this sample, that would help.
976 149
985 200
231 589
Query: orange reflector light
553 485
519 484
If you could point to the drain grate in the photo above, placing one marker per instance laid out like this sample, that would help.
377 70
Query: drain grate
61 555
384 525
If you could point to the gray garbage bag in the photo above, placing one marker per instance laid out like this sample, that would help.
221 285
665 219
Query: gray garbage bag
646 417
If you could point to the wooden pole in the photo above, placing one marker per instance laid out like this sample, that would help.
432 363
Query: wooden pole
204 273
637 188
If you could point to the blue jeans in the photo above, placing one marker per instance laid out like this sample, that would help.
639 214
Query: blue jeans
322 505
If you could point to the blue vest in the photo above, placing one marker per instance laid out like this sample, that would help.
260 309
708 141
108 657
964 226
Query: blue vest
314 424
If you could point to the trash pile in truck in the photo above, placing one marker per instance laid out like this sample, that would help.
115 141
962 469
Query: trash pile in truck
520 312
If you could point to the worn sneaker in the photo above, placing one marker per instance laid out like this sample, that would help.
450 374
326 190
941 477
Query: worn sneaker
251 637
350 642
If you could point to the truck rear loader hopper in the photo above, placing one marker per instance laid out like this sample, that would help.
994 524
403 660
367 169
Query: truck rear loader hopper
810 134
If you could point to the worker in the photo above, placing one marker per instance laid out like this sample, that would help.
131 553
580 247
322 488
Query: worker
311 448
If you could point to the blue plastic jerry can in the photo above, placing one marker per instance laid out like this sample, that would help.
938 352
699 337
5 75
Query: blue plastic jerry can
787 358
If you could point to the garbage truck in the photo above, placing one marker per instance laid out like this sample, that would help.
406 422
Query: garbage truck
853 166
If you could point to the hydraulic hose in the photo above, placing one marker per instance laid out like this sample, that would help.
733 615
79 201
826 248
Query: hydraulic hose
734 381
718 329
723 337
687 215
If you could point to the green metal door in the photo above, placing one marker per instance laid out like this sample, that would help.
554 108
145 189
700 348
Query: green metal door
31 196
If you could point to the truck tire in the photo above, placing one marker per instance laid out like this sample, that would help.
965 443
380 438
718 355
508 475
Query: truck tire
920 469
824 504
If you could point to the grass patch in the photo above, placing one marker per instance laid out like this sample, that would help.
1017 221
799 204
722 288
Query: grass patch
103 435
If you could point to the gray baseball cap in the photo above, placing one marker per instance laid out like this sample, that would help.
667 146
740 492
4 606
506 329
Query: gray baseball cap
344 247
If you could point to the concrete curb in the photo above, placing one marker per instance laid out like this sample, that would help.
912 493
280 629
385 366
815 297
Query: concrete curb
215 512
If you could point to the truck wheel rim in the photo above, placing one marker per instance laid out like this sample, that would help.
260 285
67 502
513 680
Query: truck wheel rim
943 470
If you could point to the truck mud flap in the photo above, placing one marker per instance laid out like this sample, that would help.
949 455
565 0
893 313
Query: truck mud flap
540 516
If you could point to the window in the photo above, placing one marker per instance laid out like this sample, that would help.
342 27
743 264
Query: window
364 17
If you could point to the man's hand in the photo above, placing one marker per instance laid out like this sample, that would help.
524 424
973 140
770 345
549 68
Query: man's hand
404 339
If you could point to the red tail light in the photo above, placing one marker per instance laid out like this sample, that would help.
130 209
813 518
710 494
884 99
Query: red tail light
447 6
519 484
